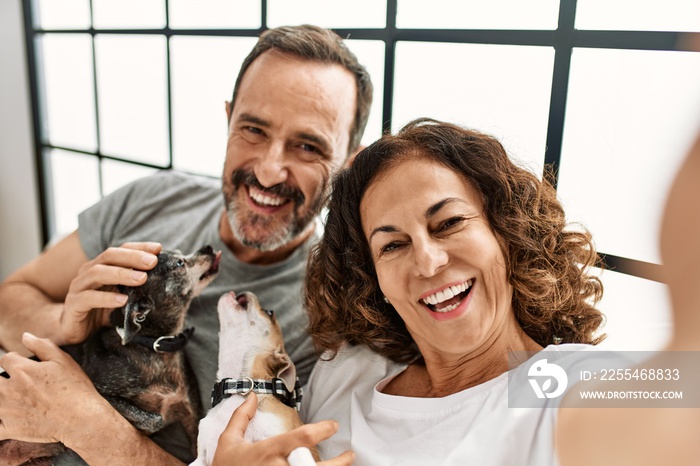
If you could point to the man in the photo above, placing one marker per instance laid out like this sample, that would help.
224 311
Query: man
299 107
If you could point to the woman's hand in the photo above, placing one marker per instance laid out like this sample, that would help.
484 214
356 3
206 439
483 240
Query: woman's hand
234 449
91 299
48 400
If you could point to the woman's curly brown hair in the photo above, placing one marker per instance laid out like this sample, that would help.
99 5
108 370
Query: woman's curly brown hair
548 265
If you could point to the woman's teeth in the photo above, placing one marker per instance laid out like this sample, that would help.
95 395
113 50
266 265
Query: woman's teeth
435 299
449 308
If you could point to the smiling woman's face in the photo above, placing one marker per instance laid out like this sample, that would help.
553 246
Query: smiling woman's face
437 259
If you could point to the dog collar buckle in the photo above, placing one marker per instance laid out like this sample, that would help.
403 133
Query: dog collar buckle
276 387
156 344
228 387
218 393
165 343
246 386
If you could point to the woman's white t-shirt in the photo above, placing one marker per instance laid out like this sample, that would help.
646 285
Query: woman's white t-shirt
472 427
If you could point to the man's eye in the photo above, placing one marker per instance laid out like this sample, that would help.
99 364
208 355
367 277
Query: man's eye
309 148
252 133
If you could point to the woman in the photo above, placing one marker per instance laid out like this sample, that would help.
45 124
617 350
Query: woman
440 257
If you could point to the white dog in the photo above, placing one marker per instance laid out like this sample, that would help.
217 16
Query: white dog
252 358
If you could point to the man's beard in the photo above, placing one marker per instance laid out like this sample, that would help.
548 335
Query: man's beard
252 229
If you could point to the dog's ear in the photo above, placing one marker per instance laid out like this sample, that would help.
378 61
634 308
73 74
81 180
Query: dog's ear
135 312
284 368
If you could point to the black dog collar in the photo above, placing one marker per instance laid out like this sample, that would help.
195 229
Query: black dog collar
167 343
164 344
228 387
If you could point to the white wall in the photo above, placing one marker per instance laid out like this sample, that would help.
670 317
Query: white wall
20 230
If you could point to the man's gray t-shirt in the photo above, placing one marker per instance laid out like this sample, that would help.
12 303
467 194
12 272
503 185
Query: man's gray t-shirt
183 212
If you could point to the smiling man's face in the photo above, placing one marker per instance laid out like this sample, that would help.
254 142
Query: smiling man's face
289 131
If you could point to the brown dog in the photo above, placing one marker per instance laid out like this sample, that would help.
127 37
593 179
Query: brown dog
251 358
136 364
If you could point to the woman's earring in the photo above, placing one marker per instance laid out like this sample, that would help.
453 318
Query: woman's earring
386 300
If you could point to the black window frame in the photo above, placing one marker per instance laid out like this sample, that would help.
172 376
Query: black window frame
563 40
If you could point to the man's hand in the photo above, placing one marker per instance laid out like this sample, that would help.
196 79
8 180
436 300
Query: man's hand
234 449
64 296
46 401
54 400
92 297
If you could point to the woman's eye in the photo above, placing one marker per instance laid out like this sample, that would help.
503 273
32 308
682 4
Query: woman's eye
387 248
450 222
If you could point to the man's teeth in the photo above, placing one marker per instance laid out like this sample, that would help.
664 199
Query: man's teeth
262 199
448 293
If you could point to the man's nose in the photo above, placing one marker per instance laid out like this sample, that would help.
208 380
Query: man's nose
271 168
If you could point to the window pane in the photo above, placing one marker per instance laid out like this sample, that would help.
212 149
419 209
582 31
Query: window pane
370 53
116 174
214 14
633 15
637 311
132 96
75 187
63 14
631 116
69 90
128 14
501 90
201 84
334 14
478 14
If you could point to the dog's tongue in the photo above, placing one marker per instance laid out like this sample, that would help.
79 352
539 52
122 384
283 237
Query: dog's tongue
213 268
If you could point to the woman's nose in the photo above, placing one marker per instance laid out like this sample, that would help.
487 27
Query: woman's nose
430 258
